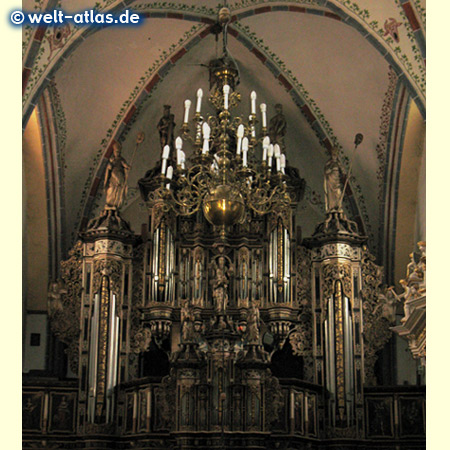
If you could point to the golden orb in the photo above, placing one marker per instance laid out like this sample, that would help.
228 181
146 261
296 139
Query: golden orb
224 206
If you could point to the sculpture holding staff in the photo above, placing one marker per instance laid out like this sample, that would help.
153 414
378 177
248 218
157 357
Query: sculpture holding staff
116 176
334 176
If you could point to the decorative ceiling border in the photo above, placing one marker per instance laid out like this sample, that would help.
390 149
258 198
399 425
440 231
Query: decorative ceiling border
415 32
388 203
33 84
390 99
415 82
53 135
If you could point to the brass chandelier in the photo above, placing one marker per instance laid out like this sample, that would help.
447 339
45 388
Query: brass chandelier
232 168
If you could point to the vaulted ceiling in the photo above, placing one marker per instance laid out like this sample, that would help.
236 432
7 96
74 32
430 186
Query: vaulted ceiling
338 67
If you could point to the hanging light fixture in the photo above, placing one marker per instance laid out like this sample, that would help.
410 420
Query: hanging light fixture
230 168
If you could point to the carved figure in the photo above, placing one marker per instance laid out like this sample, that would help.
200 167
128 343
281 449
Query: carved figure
55 290
422 264
62 416
141 341
116 179
198 275
409 293
187 322
411 267
333 176
253 320
277 127
388 301
165 127
220 284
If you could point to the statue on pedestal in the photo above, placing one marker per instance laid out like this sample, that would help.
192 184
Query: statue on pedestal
187 323
220 284
165 126
333 176
253 323
116 179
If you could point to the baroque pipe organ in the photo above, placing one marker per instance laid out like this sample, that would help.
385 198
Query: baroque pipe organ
196 334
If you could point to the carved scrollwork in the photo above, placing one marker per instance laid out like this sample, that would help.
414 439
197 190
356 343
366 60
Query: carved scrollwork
64 310
301 336
166 400
140 337
333 272
284 214
273 398
111 268
303 278
141 340
376 327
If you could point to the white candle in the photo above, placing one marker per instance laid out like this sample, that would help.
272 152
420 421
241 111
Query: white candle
270 155
277 154
283 163
169 176
263 108
244 151
206 132
240 135
226 91
253 102
199 100
187 105
265 144
165 156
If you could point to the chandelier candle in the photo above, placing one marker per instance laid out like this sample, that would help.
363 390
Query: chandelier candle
263 108
187 105
169 175
240 135
253 102
199 100
226 92
165 157
283 163
277 153
244 151
270 155
206 133
265 145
